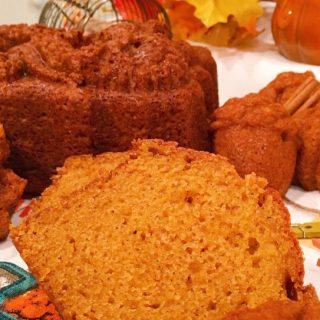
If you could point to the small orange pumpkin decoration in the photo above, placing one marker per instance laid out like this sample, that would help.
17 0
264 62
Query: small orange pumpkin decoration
296 29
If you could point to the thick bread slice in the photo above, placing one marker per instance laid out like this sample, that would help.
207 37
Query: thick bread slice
170 233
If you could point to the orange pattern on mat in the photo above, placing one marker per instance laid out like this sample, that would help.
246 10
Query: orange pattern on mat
34 304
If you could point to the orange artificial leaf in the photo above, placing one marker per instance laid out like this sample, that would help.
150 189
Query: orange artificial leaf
182 19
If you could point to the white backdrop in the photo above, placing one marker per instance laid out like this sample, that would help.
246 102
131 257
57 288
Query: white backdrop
18 11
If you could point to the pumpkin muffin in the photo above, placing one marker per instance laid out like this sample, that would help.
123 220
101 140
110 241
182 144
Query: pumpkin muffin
307 121
256 135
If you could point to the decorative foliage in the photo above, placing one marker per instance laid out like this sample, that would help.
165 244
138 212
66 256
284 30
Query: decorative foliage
224 23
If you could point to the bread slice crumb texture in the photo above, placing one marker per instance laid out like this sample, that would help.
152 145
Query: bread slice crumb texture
168 233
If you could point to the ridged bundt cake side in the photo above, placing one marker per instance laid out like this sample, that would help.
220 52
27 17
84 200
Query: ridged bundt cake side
166 233
66 93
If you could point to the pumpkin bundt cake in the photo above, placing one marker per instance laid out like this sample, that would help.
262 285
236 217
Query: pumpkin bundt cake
65 93
256 136
160 232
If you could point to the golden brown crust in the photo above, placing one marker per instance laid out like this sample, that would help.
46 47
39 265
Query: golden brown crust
251 110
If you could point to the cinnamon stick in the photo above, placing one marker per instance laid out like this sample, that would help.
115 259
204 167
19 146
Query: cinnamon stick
312 100
300 95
